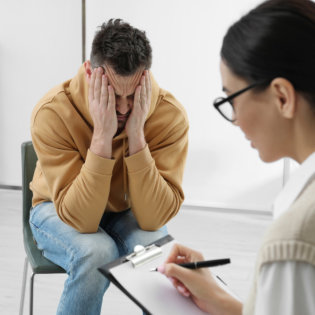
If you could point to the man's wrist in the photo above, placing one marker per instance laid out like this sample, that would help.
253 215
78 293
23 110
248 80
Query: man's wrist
137 142
102 146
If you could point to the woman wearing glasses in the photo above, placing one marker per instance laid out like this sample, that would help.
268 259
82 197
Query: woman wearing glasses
268 74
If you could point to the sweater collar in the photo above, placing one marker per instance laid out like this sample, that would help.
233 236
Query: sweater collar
79 91
296 184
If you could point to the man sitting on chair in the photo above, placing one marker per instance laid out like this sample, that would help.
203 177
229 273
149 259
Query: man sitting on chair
111 149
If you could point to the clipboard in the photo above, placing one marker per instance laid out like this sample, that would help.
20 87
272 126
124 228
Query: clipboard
151 291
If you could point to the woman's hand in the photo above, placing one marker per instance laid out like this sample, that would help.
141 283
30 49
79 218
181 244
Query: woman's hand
198 284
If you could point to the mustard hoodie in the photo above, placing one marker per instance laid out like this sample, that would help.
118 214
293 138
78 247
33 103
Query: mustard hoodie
83 185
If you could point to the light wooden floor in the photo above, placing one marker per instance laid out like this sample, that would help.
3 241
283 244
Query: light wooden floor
216 233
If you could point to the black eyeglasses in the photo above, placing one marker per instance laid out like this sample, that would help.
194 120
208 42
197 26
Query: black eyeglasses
224 105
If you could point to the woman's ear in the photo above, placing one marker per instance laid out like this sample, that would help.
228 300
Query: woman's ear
88 70
285 97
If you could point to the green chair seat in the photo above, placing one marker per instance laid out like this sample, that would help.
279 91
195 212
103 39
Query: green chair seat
38 262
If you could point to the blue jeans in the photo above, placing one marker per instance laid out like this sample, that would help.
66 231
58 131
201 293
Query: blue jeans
81 254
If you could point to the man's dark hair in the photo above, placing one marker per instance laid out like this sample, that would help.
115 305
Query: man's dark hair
276 39
122 47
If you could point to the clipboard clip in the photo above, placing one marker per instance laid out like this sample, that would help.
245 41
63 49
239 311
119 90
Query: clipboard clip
142 255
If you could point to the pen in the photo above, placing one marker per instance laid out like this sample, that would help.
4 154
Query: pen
202 264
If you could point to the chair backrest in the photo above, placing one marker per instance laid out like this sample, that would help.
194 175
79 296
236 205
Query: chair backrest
38 262
29 159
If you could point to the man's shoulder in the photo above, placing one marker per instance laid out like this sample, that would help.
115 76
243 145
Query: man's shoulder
50 102
170 108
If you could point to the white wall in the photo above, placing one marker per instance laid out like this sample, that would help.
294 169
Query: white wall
40 46
222 169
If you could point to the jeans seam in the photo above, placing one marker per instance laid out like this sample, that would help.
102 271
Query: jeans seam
68 250
61 305
120 240
109 229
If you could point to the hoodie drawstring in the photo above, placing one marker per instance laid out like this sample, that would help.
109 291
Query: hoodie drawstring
125 178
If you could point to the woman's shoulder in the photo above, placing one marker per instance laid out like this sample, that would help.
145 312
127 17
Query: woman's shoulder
299 219
292 235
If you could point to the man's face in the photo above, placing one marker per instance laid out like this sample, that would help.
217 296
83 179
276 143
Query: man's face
124 87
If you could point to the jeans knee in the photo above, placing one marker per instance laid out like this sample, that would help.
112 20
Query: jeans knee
162 232
97 254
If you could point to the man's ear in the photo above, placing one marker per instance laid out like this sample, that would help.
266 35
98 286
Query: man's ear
88 70
285 97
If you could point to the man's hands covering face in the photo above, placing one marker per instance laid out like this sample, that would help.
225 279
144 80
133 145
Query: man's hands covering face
103 112
141 106
102 105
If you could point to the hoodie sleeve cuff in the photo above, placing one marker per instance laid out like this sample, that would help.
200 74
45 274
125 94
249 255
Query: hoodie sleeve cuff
99 165
139 161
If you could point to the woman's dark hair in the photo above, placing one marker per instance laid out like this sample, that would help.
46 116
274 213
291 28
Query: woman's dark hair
122 47
276 39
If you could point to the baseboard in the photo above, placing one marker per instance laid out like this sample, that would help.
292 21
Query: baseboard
227 208
10 187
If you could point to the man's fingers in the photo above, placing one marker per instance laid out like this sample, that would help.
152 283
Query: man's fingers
98 84
91 88
111 97
143 95
104 91
136 101
148 85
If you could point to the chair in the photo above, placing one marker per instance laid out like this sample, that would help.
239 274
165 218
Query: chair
39 264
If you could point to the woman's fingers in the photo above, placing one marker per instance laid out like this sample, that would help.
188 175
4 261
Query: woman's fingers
184 252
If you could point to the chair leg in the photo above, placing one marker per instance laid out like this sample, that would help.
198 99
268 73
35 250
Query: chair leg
23 286
31 293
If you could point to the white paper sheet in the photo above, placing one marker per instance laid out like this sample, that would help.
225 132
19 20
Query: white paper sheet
154 290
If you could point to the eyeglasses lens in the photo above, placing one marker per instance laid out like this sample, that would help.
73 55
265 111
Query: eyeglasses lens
227 110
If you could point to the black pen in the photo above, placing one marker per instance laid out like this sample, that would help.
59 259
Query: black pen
202 264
